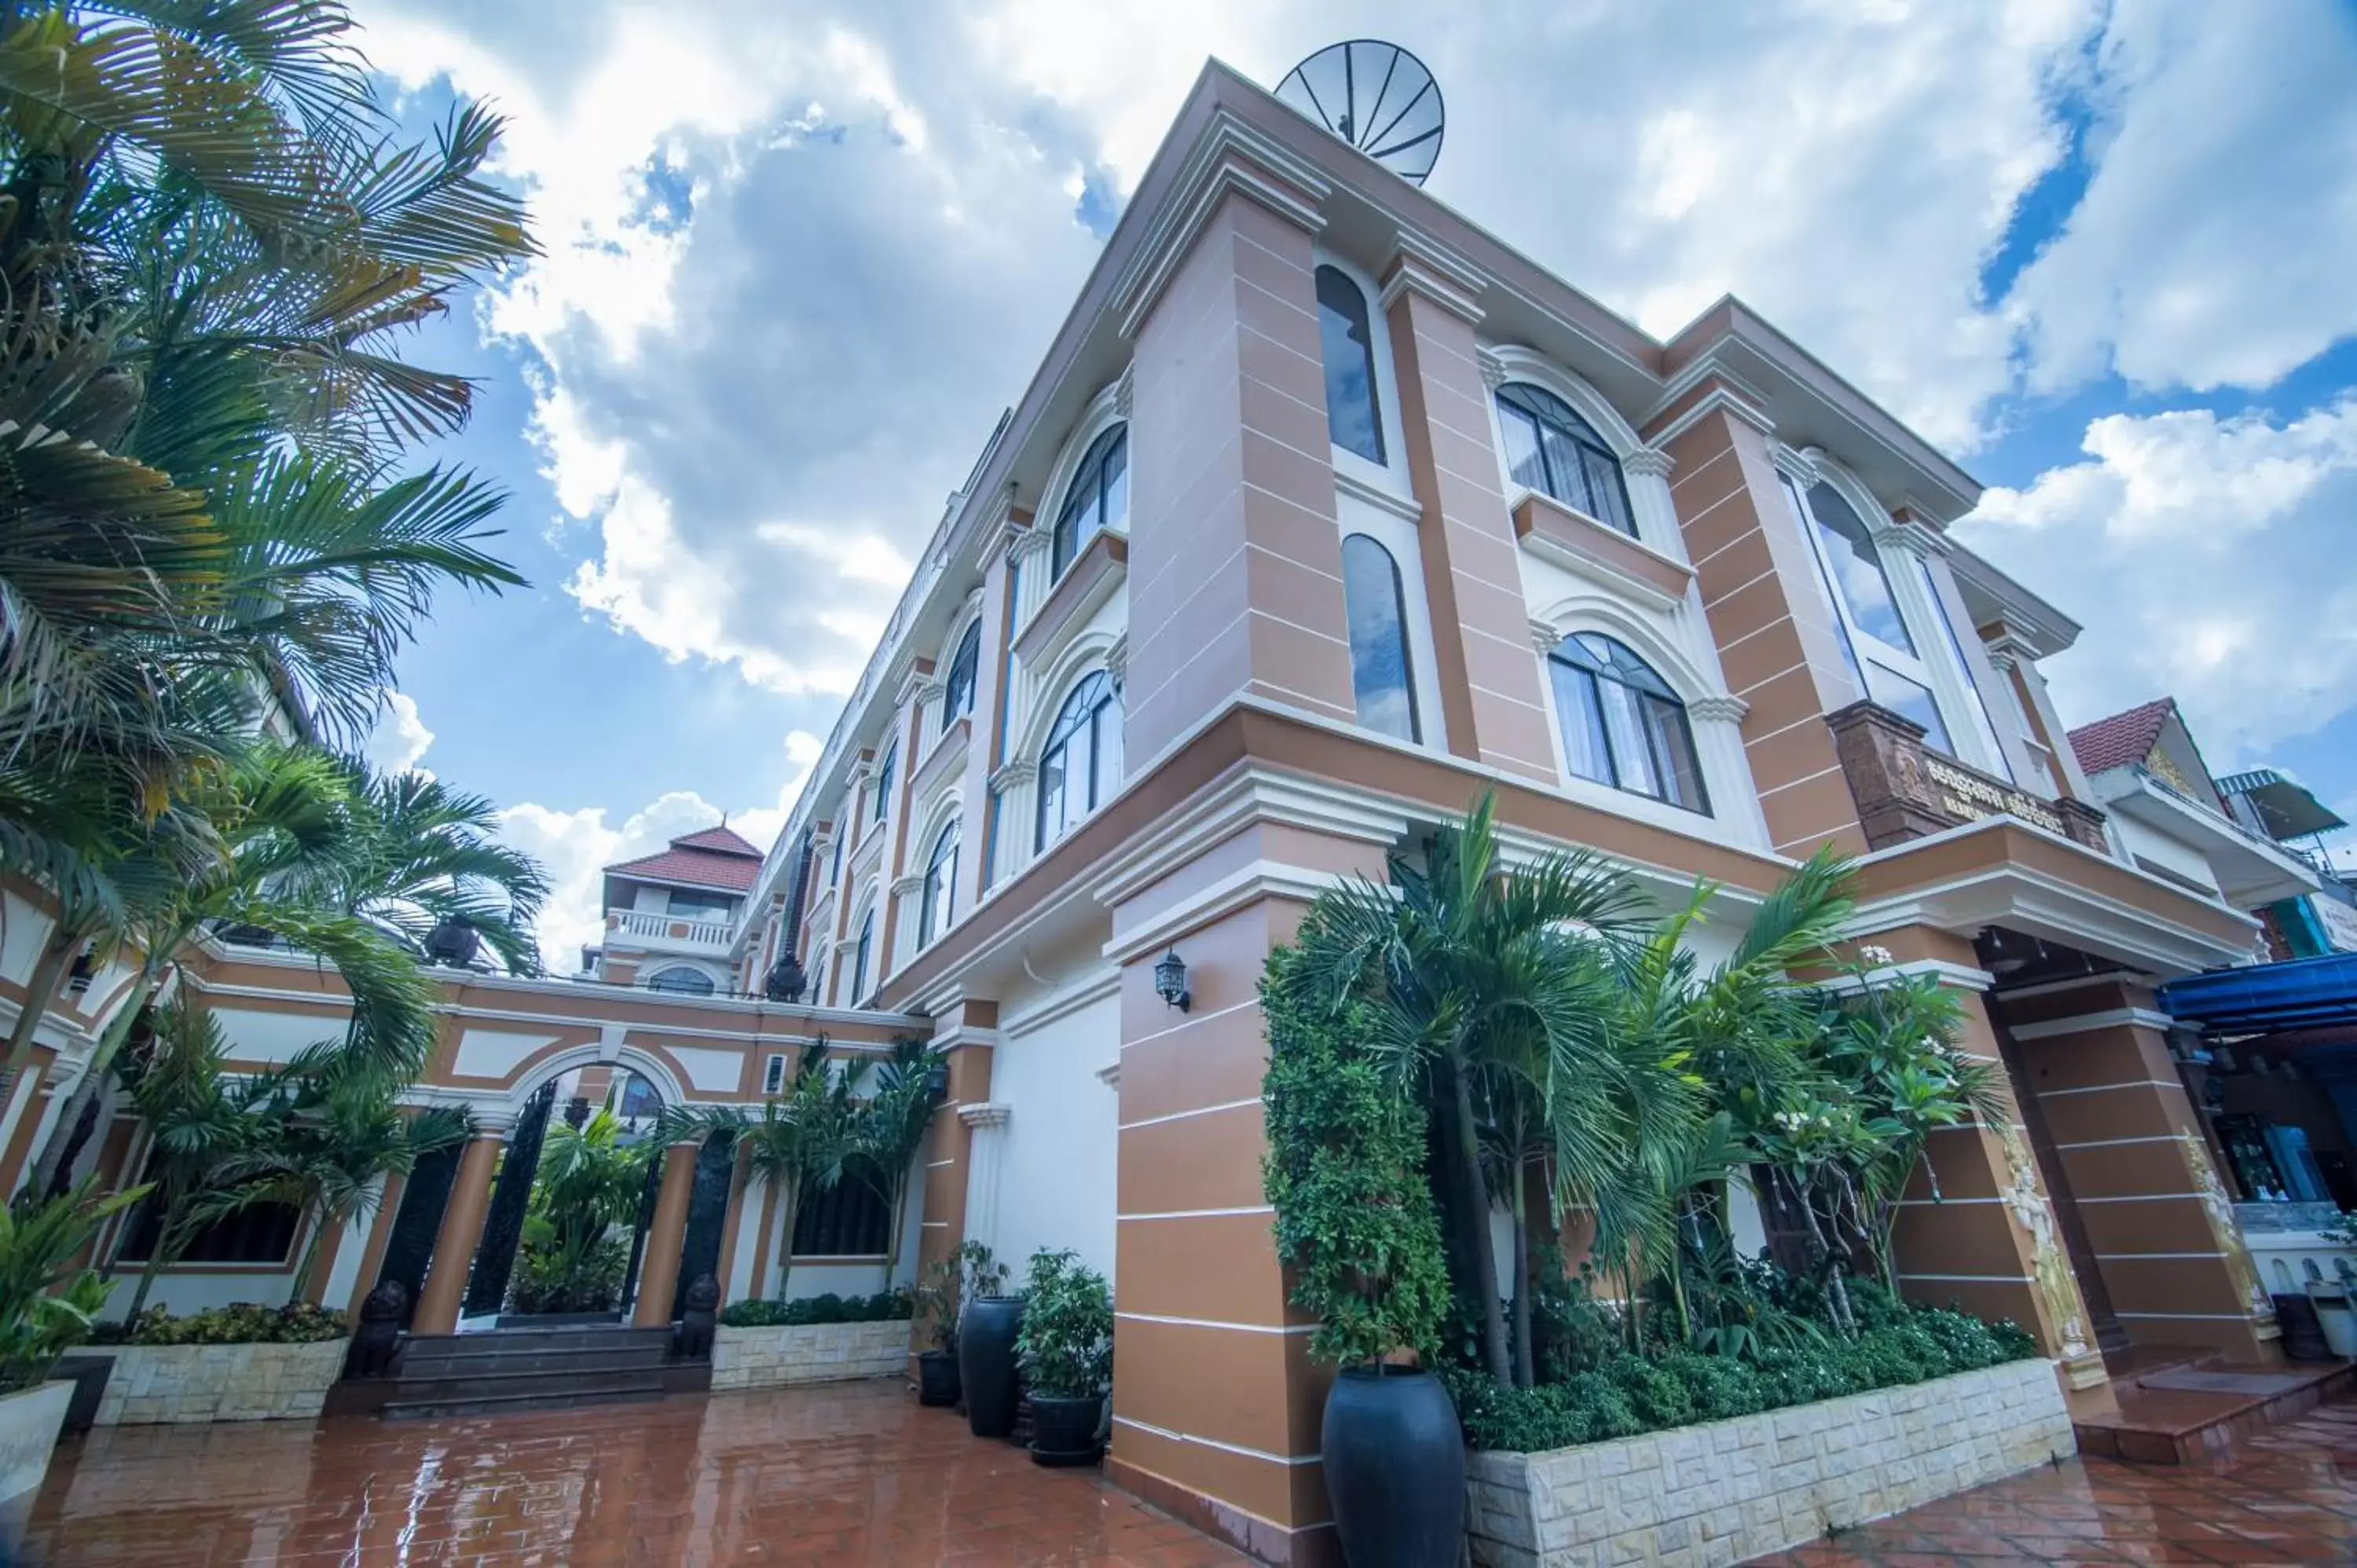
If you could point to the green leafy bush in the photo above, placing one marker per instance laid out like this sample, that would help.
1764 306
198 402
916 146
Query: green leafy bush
1628 1394
239 1323
884 1306
549 1278
1065 1345
48 1305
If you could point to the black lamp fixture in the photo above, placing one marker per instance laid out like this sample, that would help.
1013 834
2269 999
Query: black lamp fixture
937 1080
1171 981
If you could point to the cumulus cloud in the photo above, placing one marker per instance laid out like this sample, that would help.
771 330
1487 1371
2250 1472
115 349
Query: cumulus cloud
400 737
576 846
2209 560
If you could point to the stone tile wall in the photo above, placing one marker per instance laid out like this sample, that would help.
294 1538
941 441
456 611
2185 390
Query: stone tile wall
808 1353
1702 1497
153 1384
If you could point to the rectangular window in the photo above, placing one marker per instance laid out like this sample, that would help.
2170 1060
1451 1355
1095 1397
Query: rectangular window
1979 713
849 1219
1584 751
1909 699
264 1233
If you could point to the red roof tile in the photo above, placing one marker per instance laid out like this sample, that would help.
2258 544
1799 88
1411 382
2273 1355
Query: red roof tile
2122 738
713 857
722 839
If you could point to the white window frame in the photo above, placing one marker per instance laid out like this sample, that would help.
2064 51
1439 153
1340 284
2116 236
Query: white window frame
1396 527
1866 648
1392 474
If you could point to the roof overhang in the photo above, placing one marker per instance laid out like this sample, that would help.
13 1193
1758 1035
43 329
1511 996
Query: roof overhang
2283 806
2001 606
2250 871
2002 872
2268 998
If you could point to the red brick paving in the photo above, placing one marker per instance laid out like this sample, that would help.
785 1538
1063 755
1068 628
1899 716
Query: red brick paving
2288 1494
856 1474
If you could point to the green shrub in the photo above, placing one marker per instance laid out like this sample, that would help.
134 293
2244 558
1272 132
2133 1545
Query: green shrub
1065 1345
884 1306
239 1323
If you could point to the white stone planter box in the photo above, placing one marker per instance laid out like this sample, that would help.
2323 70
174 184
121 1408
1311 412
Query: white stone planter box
808 1353
153 1384
1702 1497
29 1430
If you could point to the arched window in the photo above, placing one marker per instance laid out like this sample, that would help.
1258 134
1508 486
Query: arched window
1353 418
957 694
1080 767
939 907
681 981
1378 616
1622 725
1098 496
1551 449
859 957
884 771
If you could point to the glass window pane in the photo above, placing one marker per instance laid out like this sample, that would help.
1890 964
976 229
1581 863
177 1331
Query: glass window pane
1674 750
1841 626
1108 739
1632 752
1605 489
1979 716
1051 795
1857 568
1584 751
1909 699
1522 459
1567 481
1351 419
1379 668
1080 778
1115 509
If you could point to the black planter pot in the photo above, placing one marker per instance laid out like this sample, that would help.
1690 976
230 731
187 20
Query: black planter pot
1395 1469
937 1377
986 1362
1064 1432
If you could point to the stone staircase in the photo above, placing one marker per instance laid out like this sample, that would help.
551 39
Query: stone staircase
535 1368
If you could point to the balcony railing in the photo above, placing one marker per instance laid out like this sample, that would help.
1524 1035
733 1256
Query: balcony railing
670 930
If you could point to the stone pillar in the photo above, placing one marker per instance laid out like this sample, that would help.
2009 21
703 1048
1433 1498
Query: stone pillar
979 833
985 1126
2157 1218
461 1232
1489 693
666 1237
967 1033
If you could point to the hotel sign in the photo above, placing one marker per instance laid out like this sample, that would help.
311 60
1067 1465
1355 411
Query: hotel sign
1968 796
2339 920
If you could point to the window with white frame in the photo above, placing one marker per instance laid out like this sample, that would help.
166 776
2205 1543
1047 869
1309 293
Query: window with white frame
681 981
1353 411
859 957
957 692
938 904
1079 764
1098 498
884 771
1553 449
1622 723
1375 607
1976 711
1874 638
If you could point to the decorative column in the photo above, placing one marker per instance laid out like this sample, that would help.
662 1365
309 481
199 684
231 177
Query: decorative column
462 1229
666 1236
1015 811
994 600
985 1152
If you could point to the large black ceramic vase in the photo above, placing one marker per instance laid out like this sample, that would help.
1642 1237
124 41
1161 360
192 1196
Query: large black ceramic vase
986 1362
1395 1469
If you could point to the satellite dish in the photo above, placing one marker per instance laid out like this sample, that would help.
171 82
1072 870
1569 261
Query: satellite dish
1377 97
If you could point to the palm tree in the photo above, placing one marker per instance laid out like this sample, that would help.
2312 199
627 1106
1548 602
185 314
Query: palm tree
1476 976
588 1181
889 1130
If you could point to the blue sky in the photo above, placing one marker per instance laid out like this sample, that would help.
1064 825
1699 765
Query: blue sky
800 253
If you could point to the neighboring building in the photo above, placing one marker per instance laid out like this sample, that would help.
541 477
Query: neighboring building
672 918
1325 513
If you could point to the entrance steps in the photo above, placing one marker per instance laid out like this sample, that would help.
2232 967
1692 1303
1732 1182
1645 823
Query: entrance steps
2177 1404
536 1367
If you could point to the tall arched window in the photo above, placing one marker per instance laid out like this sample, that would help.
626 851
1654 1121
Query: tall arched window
1353 417
940 898
1098 496
957 693
859 957
1622 725
884 771
1080 767
1551 449
1372 599
681 981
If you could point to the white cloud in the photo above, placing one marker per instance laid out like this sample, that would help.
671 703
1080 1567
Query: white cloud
2213 246
2208 559
400 737
576 846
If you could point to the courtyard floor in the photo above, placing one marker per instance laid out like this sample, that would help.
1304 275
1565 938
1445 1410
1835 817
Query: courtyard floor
2288 1494
853 1474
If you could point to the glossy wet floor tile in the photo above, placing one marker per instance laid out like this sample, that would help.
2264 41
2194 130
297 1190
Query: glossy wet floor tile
855 1474
2288 1494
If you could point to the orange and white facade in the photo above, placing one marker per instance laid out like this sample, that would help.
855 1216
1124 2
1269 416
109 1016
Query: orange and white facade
1325 513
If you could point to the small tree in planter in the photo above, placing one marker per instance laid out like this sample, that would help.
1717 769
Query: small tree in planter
1065 1347
966 1274
47 1308
1356 1223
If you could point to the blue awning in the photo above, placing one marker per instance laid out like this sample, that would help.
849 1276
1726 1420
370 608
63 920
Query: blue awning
2300 993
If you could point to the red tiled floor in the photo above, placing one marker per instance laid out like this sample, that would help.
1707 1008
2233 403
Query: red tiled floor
2287 1495
855 1474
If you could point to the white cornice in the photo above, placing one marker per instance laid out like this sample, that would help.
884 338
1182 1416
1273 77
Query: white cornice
1239 889
1424 266
1013 775
1717 399
1718 709
2110 1018
902 886
1230 158
1649 461
1247 796
986 1113
1070 997
1381 496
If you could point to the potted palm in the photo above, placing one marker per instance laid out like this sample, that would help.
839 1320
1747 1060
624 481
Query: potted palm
969 1273
1065 1348
46 1306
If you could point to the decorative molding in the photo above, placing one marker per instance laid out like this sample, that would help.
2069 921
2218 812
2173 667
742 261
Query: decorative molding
903 886
1493 369
1381 496
1237 890
918 686
1545 636
1013 775
2110 1018
1717 709
1116 659
1794 466
1961 976
1920 537
1070 996
1230 159
1110 1076
986 1113
1422 265
1715 401
1650 461
1025 541
1125 389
